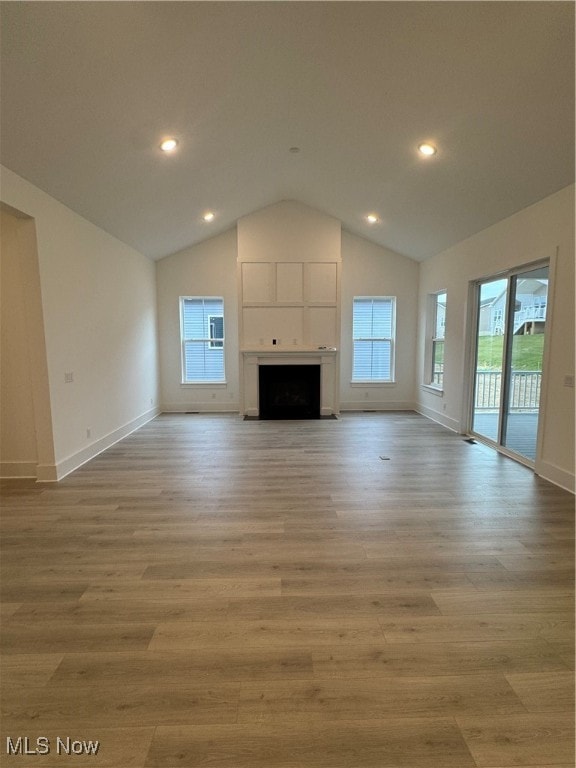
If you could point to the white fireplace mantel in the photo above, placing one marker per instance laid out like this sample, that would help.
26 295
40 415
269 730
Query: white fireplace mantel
326 358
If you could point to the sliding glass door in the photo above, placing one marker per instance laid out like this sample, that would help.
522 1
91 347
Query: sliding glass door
510 333
490 330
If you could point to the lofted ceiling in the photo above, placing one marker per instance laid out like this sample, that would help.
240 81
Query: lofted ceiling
89 89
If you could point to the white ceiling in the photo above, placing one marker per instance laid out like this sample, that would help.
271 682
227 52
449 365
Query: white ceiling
90 88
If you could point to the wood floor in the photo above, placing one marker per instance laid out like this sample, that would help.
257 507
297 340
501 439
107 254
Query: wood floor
371 592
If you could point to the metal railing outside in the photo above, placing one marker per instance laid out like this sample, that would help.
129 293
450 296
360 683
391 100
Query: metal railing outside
438 376
525 389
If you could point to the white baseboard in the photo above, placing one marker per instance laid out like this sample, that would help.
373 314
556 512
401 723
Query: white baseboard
438 417
10 470
208 407
71 463
371 405
42 473
47 473
556 475
546 470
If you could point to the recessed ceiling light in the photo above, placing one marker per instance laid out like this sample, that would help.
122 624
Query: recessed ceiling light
209 216
427 149
168 145
371 218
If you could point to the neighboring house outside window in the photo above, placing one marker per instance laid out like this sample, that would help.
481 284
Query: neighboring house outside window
498 321
373 321
202 339
216 323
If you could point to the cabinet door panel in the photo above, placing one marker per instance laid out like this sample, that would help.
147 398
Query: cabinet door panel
263 324
321 283
257 283
289 282
322 329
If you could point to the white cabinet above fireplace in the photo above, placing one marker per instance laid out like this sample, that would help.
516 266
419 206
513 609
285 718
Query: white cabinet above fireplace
294 303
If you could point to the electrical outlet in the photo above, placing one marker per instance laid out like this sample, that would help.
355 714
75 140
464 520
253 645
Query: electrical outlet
569 381
68 377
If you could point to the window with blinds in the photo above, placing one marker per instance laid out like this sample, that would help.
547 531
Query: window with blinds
437 341
202 336
373 331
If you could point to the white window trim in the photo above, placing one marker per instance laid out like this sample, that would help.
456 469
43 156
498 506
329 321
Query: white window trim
199 382
431 339
377 382
433 389
204 384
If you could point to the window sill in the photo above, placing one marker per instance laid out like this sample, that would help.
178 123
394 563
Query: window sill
365 384
433 390
207 384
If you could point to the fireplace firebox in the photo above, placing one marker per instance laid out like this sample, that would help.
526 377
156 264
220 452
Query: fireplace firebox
289 391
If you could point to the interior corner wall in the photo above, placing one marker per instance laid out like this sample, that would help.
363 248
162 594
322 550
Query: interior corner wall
543 230
370 270
98 303
207 269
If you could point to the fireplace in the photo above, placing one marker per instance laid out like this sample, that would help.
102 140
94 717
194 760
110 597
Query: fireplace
289 391
253 360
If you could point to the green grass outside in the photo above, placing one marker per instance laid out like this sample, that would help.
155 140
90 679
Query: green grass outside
527 352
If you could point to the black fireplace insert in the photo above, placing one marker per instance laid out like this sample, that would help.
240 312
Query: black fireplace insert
289 391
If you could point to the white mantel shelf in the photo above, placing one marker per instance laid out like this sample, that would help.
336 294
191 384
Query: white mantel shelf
289 351
325 358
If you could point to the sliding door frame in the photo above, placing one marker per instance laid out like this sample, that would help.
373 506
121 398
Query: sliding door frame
470 360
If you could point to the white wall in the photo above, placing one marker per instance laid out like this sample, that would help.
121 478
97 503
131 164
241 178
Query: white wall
369 270
99 310
288 231
543 230
208 269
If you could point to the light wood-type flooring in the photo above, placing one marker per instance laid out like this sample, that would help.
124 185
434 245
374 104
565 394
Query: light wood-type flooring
368 592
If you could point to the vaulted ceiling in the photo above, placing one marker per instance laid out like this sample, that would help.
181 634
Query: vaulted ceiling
89 89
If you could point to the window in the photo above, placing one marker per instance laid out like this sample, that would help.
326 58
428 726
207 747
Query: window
373 332
202 335
436 333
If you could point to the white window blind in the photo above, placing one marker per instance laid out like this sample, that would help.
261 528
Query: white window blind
202 335
373 338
